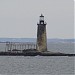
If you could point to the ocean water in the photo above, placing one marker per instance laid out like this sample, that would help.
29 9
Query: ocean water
40 65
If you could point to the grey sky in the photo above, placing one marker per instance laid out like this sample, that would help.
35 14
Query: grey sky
18 18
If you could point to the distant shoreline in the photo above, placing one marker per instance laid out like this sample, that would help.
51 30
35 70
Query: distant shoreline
34 40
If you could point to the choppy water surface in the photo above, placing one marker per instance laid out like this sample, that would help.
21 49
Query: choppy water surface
37 65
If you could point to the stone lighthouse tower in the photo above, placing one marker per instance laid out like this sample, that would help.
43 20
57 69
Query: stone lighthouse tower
41 35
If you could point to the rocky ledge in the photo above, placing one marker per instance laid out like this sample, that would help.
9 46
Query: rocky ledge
34 53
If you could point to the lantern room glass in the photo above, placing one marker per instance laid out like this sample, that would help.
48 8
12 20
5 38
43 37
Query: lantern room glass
41 18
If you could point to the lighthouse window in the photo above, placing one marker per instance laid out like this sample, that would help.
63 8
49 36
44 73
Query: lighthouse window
41 22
